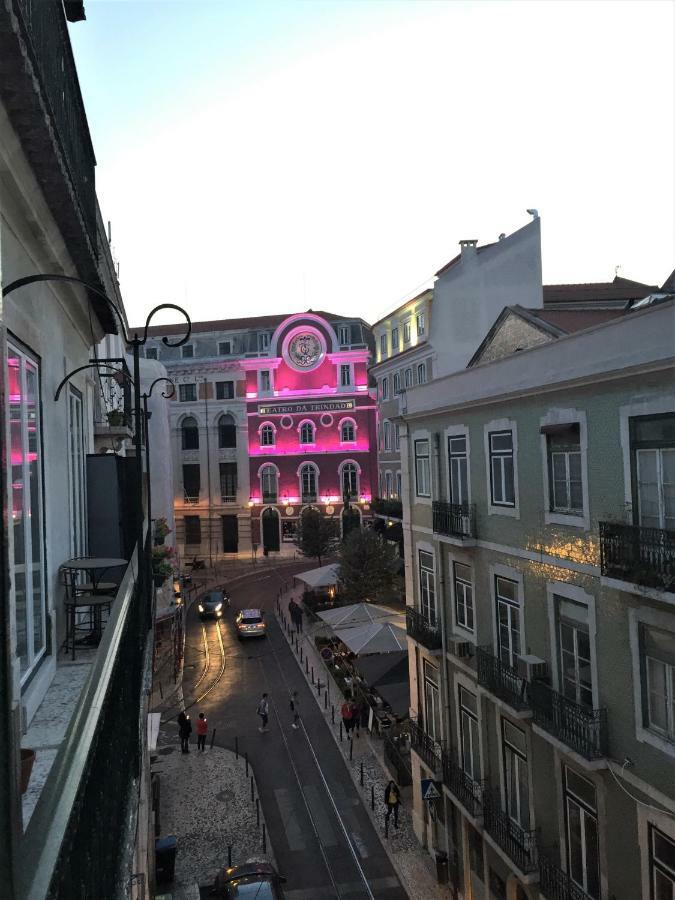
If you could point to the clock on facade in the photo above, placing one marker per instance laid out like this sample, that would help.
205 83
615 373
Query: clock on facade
305 350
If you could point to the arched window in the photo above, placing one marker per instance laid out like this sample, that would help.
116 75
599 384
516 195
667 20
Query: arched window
267 435
227 431
347 431
309 483
269 484
350 481
307 433
190 434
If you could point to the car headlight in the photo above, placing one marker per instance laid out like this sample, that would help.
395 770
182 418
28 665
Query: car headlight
201 608
219 607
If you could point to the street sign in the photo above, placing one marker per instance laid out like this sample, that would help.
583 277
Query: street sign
430 790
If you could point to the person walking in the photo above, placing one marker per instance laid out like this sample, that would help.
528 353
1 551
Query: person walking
299 618
295 709
392 801
292 606
264 713
202 731
347 716
356 717
184 731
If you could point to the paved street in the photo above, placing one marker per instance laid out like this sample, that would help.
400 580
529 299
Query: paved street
321 834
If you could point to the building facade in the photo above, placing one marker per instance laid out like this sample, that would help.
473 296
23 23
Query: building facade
540 552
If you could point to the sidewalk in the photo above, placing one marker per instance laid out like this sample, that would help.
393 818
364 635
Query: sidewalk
413 864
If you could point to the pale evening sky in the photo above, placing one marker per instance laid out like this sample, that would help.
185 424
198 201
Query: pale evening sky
263 157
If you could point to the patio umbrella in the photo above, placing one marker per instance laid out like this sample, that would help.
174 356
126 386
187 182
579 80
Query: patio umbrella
383 668
359 614
375 637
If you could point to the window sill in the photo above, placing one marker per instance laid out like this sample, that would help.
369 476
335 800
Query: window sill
572 519
512 511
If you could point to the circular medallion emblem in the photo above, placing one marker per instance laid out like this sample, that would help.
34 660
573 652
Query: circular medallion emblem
289 510
330 510
305 350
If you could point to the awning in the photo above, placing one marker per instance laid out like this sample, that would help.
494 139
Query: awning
326 576
360 614
383 668
397 696
373 638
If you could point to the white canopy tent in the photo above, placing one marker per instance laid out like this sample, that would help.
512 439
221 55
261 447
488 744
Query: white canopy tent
361 614
326 576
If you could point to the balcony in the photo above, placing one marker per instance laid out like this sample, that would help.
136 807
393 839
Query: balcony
190 499
421 629
644 556
393 509
230 498
555 884
269 498
310 497
583 730
462 786
519 845
501 680
456 520
425 746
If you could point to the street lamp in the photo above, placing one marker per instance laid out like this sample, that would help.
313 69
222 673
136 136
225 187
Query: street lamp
146 418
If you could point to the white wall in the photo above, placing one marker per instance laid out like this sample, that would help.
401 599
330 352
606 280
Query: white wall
161 457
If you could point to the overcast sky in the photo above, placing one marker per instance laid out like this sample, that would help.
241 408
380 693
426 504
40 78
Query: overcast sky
261 157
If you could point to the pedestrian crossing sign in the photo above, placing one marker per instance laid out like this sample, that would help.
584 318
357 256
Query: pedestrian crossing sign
430 790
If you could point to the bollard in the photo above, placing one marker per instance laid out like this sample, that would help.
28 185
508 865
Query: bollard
325 700
257 812
161 694
318 688
229 856
361 773
386 825
312 674
372 796
213 737
264 839
252 793
236 748
246 758
351 749
332 715
306 665
340 732
300 652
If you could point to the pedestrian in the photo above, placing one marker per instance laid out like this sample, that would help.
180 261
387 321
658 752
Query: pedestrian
184 731
295 709
292 606
202 731
356 717
392 801
347 716
264 712
299 619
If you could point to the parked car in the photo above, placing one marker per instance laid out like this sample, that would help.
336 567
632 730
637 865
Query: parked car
250 623
256 878
212 605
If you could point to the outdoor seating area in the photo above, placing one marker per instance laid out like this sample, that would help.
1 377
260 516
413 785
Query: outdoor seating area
88 598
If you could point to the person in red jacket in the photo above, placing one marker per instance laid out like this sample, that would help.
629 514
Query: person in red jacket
202 731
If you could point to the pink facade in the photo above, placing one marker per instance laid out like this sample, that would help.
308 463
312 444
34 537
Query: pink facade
311 429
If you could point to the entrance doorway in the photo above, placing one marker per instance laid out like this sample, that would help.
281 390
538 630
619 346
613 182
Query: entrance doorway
270 529
230 534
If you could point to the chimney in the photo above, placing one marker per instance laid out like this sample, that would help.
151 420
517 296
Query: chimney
468 248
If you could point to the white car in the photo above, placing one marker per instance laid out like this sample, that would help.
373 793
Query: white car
250 623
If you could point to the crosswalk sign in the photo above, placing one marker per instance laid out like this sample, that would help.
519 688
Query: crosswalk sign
430 790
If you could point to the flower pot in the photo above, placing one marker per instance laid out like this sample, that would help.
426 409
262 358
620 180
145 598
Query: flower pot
27 760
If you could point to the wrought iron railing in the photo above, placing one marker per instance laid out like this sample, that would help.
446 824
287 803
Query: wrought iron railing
462 786
428 749
309 498
520 845
422 629
387 507
555 884
190 498
500 679
582 729
454 519
232 498
639 555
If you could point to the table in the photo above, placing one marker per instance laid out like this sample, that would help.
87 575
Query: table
95 595
92 565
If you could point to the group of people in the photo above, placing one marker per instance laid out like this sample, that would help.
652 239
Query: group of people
263 711
295 612
351 717
185 730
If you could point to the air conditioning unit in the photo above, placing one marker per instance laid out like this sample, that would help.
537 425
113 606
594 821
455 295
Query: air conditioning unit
532 667
460 648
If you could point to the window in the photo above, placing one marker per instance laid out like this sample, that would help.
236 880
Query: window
350 481
387 435
307 433
458 480
227 431
581 820
343 335
347 434
384 389
508 621
76 477
387 484
151 353
269 484
399 492
468 734
516 784
383 345
432 703
420 324
427 587
228 482
653 468
408 378
575 658
267 435
564 468
193 529
397 382
25 490
189 431
661 865
501 468
308 483
658 680
263 342
224 348
187 393
397 437
191 482
422 469
187 351
406 332
464 614
422 373
394 339
345 375
265 381
224 390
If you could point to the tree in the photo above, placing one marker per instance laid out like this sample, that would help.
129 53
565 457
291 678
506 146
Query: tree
317 535
368 565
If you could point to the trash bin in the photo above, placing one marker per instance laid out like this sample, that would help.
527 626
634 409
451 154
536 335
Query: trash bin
165 858
441 867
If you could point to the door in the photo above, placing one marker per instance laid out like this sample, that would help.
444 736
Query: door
270 529
230 534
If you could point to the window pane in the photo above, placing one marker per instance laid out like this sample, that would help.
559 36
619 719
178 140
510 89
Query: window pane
501 441
497 489
664 886
507 589
592 861
576 862
658 698
664 849
509 490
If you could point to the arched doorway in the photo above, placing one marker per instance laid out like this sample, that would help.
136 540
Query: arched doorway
351 519
270 529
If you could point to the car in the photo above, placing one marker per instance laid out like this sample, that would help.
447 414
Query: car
255 878
212 605
250 623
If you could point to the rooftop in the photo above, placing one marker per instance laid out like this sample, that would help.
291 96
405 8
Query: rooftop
243 324
620 289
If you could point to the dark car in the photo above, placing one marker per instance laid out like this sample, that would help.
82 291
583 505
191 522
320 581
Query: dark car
256 878
213 604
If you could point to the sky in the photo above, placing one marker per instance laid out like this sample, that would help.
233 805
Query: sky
266 157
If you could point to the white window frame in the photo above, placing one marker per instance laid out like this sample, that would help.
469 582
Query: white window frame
182 388
187 351
422 372
384 388
578 595
497 570
428 582
312 425
458 431
420 323
466 716
76 473
560 416
585 810
383 346
386 435
265 391
223 383
299 474
357 468
526 764
664 621
463 681
261 478
417 438
350 375
397 436
388 484
408 380
394 338
435 691
344 335
653 407
455 596
488 429
263 341
407 332
397 383
343 423
264 427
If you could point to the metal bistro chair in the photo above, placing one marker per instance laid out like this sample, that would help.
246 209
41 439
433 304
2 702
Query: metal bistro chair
84 610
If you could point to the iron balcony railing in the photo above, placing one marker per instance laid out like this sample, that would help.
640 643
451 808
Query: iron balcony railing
388 507
462 786
582 729
454 519
428 749
191 498
639 555
501 680
309 498
520 845
422 629
232 498
269 498
555 884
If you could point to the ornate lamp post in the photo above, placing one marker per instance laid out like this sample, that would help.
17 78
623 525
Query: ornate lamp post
146 419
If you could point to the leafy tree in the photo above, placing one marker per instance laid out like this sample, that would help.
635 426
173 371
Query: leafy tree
317 535
368 565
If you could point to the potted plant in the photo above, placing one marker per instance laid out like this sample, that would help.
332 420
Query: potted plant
161 567
161 530
27 760
115 418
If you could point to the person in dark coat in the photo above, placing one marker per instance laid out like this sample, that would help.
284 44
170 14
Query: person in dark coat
392 801
184 731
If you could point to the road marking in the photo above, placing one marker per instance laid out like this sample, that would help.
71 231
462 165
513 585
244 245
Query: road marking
375 884
360 845
325 891
320 816
292 828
